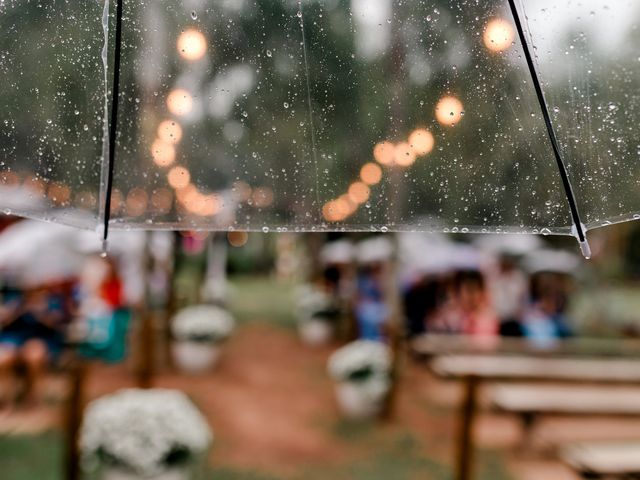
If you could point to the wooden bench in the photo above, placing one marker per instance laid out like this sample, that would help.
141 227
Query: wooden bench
429 346
566 400
604 459
478 368
531 401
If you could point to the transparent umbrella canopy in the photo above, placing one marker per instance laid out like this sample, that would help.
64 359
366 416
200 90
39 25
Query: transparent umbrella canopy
278 115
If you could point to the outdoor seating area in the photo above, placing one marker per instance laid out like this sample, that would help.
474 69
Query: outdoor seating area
319 239
250 350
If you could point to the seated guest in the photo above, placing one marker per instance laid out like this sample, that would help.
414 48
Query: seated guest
31 333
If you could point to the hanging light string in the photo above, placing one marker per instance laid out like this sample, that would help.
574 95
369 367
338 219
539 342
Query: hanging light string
568 190
113 125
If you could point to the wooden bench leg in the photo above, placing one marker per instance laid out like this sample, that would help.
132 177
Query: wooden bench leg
74 421
528 420
465 439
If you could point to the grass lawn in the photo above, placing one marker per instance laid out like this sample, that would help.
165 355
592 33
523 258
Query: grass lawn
40 458
374 454
260 299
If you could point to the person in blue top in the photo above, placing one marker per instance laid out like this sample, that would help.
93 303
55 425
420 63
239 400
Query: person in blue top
31 333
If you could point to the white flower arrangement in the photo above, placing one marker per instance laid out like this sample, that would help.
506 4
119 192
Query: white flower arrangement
360 361
144 431
313 303
202 323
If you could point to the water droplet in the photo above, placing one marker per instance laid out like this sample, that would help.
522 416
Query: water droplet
85 127
269 53
545 232
286 105
265 229
194 15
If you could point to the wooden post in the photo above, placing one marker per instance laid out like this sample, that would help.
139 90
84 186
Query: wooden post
74 420
465 438
147 357
146 332
395 331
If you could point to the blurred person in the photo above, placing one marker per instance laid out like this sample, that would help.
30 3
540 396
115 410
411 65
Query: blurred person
509 290
421 301
32 333
544 321
478 316
99 289
370 309
102 316
467 309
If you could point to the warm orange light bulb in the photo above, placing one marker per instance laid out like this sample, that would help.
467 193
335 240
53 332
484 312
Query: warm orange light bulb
178 177
421 141
359 192
170 131
404 155
192 44
180 102
499 35
383 152
449 111
371 174
163 153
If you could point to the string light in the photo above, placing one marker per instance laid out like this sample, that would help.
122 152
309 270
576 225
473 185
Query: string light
178 177
404 155
371 174
192 44
384 153
163 153
180 102
170 131
421 141
498 35
449 111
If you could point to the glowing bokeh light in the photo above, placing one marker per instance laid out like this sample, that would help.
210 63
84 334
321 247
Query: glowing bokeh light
59 193
499 35
180 102
359 192
262 197
237 239
329 211
371 174
421 141
178 177
383 152
136 202
170 132
163 153
449 111
404 155
192 44
162 199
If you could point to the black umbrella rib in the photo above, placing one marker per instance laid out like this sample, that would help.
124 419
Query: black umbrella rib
113 125
568 190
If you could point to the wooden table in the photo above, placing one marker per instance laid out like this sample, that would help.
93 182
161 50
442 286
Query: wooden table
430 345
474 369
604 459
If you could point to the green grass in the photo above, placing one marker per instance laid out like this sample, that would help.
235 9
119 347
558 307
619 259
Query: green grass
31 457
260 299
40 458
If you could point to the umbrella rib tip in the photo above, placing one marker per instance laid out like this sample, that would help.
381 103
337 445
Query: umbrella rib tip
585 248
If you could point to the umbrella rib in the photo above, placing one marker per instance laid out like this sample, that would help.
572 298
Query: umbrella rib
114 120
568 190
